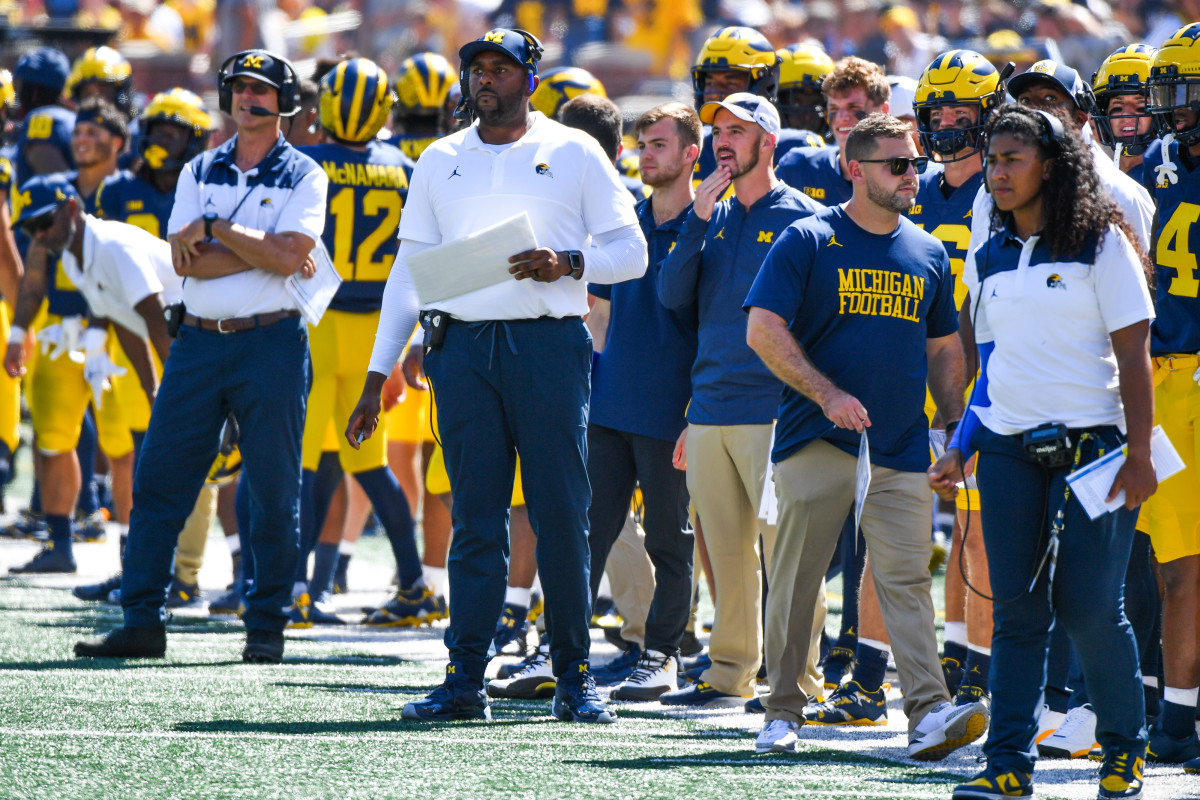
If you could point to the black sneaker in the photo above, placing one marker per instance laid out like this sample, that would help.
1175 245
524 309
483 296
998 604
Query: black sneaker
263 647
689 645
459 697
576 698
49 560
125 643
97 592
183 595
228 603
952 672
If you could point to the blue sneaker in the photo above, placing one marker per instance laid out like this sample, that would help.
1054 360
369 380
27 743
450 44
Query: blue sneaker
701 695
695 668
409 608
620 668
98 592
228 603
184 595
459 697
992 783
849 704
576 699
754 706
50 559
27 525
952 671
1121 776
1166 749
510 630
1192 767
837 664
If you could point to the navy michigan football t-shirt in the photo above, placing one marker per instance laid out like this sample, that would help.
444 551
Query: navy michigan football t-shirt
862 306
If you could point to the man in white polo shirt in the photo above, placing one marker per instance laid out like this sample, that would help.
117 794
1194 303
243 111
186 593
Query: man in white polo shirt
246 217
510 363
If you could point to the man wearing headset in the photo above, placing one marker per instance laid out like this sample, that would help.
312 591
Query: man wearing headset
510 363
246 217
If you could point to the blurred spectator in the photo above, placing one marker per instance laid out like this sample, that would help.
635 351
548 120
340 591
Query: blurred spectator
199 19
147 21
909 49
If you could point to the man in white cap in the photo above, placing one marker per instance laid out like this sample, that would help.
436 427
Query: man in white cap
734 396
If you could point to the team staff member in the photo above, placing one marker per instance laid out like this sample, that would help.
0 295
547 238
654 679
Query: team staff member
511 372
368 182
1172 173
734 396
246 217
811 308
854 89
1061 271
632 441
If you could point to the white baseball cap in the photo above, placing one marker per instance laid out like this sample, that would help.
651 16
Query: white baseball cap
746 107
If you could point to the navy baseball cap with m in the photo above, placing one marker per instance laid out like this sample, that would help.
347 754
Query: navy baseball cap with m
44 66
1060 76
517 45
260 65
40 195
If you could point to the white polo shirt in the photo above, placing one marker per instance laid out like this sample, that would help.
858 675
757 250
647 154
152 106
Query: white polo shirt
559 175
284 193
122 266
1051 323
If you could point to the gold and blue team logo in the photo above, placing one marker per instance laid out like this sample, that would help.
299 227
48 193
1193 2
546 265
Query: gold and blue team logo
1055 281
543 169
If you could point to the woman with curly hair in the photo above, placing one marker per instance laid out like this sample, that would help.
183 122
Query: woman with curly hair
1062 314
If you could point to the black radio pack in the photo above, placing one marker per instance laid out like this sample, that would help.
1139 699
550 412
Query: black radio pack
1049 445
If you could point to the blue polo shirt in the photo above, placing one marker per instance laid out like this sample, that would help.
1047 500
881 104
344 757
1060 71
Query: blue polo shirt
641 383
1176 328
710 269
862 306
816 172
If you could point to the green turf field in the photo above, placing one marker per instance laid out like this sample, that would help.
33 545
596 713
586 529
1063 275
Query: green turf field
325 724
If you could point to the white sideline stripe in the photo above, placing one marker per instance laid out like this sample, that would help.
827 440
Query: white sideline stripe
338 737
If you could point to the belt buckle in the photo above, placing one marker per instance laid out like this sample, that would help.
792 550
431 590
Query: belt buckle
221 329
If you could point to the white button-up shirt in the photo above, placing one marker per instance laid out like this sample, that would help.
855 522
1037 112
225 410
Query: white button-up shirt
284 193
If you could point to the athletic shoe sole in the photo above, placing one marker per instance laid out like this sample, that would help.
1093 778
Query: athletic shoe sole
565 714
540 688
964 730
860 722
412 712
641 694
1057 752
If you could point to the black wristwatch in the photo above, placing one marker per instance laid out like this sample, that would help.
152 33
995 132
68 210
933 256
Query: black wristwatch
209 219
575 259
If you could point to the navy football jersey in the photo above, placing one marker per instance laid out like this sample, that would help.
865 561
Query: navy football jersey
367 190
412 145
948 219
47 125
125 197
817 172
1176 238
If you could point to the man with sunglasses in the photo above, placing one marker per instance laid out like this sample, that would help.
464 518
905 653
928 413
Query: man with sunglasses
246 217
853 90
852 274
734 397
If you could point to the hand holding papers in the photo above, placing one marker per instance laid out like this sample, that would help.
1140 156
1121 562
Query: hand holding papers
313 295
474 262
1092 482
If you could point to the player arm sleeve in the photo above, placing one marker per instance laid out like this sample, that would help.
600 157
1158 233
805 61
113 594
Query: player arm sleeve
619 255
398 316
680 273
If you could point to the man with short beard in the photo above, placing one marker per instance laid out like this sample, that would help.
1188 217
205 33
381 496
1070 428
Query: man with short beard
734 396
509 363
859 273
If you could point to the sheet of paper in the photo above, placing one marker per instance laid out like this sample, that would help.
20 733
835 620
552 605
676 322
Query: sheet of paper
313 295
475 262
1092 483
862 482
768 505
937 443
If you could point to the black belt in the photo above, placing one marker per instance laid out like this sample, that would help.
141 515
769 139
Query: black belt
238 324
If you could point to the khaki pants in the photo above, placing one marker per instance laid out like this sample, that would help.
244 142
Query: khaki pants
815 488
631 576
189 551
726 468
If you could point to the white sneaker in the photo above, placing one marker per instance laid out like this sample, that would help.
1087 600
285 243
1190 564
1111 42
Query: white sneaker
534 681
778 736
1048 722
1074 737
654 674
945 729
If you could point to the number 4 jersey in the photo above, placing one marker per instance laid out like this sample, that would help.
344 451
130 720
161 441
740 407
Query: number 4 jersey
1175 186
367 190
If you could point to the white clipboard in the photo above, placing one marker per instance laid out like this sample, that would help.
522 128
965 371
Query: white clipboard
474 262
1091 483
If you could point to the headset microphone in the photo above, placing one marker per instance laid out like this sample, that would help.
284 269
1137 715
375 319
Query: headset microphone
259 111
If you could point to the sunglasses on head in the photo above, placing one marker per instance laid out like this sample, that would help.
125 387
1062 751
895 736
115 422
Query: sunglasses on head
35 225
899 165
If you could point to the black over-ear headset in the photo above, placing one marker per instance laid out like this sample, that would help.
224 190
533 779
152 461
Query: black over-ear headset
289 88
465 112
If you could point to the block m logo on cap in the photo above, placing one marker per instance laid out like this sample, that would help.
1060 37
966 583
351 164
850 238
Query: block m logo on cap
253 62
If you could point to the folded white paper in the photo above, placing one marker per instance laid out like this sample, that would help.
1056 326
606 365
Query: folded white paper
862 481
768 504
313 295
1092 483
474 262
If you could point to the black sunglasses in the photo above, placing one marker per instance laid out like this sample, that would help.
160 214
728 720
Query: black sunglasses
900 164
35 225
